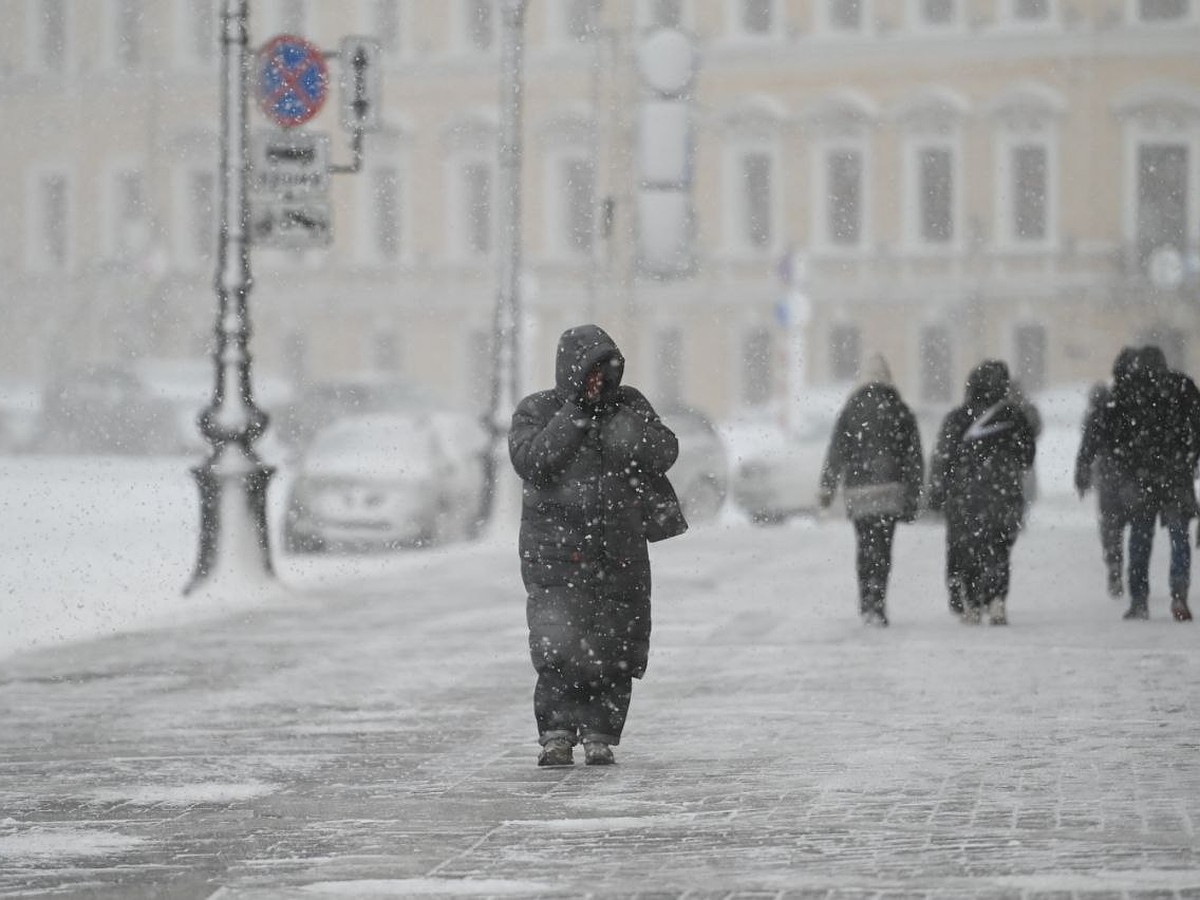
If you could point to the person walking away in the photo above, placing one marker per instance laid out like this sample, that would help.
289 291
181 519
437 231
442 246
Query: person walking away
1021 400
977 478
875 453
1134 430
1178 472
1094 467
592 455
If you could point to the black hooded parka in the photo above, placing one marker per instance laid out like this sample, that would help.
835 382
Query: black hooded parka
984 448
584 557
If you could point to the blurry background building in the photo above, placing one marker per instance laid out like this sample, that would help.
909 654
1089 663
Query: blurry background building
941 180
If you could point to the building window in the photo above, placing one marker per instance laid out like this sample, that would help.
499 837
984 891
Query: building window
128 212
845 15
581 19
578 193
1161 10
476 208
662 13
757 356
755 196
199 31
1031 10
935 364
1162 198
387 28
385 351
844 188
670 366
52 234
387 199
756 17
937 13
480 25
201 197
935 194
125 22
50 28
1029 187
479 369
1031 356
845 352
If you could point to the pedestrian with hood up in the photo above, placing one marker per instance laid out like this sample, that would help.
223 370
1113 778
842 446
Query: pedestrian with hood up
592 455
977 477
1177 466
875 454
1095 467
1144 429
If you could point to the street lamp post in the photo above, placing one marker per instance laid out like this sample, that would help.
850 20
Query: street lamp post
233 480
507 314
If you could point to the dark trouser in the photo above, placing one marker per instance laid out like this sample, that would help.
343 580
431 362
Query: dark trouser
874 536
1181 561
1141 542
1112 542
569 707
978 561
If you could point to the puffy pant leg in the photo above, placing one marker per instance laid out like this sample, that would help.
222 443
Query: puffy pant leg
874 536
1141 542
1181 561
983 558
1112 539
565 704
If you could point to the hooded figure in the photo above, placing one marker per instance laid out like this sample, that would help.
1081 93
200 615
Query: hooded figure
875 453
1150 430
593 455
977 477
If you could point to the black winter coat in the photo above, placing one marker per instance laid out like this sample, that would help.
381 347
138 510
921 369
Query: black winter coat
1094 466
983 450
876 443
584 558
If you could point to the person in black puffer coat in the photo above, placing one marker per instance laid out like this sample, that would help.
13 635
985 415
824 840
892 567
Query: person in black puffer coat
588 451
977 478
875 450
1095 467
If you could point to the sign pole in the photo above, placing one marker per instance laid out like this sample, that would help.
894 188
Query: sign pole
234 546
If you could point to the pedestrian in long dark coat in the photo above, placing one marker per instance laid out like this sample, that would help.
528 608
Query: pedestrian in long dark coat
592 454
1138 429
875 453
1094 467
1178 467
977 478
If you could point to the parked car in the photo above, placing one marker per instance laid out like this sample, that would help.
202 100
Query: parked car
104 409
701 473
323 403
387 481
776 462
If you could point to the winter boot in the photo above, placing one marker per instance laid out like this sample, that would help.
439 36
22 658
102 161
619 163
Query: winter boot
1180 611
875 616
972 614
597 753
956 597
1137 612
556 752
998 612
1116 586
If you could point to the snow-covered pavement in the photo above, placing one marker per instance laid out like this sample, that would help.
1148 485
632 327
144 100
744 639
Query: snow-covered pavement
372 736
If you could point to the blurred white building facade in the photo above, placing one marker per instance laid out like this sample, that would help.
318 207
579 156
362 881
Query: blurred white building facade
942 180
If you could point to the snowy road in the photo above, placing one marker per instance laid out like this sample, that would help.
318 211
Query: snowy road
374 738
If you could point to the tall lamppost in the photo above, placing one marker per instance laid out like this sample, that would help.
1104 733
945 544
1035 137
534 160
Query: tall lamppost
233 480
507 314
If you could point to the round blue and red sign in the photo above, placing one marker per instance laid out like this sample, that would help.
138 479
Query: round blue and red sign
293 80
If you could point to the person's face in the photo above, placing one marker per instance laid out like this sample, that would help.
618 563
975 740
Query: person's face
593 383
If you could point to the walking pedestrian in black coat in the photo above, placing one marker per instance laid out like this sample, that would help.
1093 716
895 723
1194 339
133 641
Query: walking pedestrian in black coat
977 478
875 452
1094 467
592 454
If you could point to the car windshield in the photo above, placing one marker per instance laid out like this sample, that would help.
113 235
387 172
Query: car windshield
403 438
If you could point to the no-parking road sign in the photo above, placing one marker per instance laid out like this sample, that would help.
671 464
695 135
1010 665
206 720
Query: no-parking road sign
293 80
